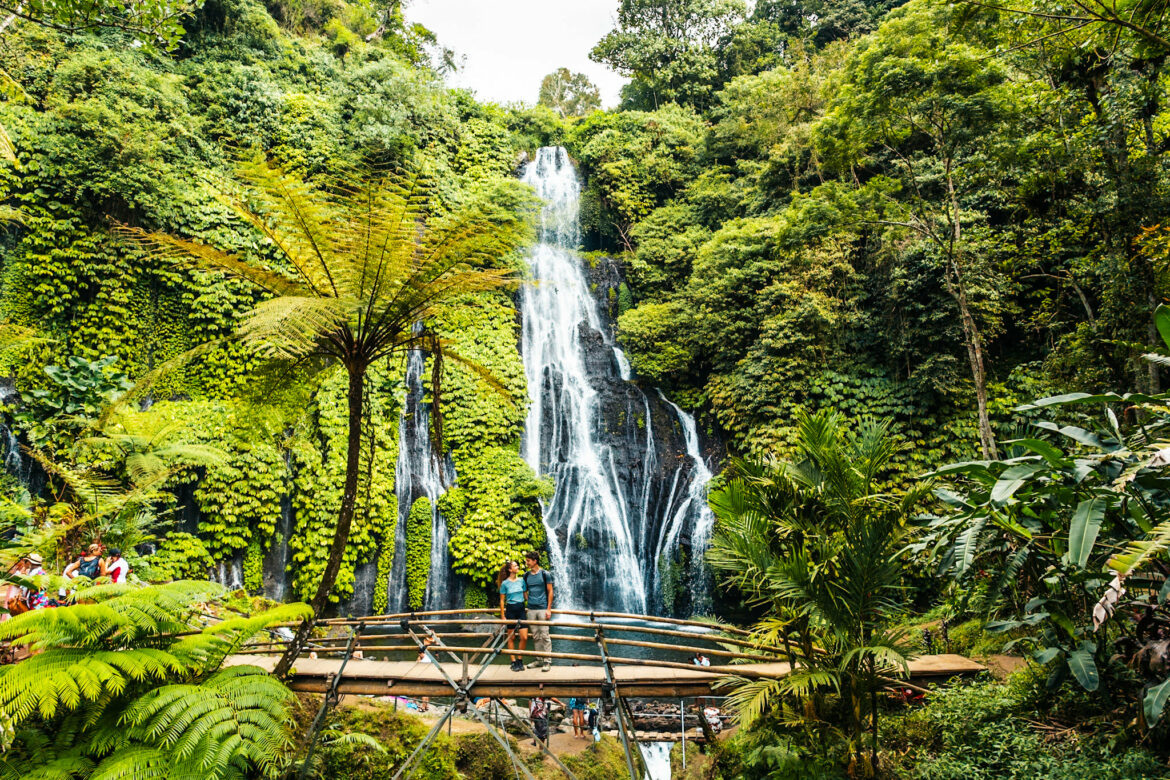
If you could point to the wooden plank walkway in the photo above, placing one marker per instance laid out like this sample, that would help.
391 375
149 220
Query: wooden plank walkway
410 678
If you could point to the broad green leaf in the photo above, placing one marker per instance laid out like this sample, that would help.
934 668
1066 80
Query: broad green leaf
1084 668
1068 398
1086 398
1012 480
1047 450
1162 322
951 498
1082 533
1076 434
1047 654
998 626
1155 701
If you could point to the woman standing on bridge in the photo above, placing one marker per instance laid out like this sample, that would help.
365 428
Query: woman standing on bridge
511 589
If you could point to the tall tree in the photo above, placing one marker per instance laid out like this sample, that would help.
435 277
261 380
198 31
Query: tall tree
569 94
669 48
360 272
931 106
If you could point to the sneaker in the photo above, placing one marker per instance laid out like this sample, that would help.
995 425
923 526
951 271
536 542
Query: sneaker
546 666
532 664
517 666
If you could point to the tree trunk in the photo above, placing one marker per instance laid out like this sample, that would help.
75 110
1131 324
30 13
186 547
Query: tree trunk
972 337
353 454
974 344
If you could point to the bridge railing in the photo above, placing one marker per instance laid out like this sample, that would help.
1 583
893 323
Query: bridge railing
451 629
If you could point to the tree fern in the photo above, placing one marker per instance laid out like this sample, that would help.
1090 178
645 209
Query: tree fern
362 267
129 685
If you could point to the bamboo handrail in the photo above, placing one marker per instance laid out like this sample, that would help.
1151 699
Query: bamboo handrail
741 671
613 627
591 627
561 637
373 619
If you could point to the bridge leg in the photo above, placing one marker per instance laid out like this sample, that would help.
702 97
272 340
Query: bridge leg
528 730
460 691
682 719
619 708
426 741
330 699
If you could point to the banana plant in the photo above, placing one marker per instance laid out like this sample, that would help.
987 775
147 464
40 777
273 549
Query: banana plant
1053 531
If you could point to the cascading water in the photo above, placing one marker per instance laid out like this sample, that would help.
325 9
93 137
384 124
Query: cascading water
630 477
418 474
657 759
693 512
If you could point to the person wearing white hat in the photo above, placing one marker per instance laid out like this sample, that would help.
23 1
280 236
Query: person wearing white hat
35 599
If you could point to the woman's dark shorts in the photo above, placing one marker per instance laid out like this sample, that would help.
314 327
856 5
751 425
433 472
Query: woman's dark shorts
514 611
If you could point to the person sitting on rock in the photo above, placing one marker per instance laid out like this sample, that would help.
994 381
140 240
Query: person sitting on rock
89 565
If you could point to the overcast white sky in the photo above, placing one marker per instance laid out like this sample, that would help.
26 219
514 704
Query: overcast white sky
510 45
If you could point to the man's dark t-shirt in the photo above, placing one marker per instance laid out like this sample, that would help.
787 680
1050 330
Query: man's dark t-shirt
536 582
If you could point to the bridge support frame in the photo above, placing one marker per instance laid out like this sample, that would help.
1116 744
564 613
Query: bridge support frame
331 698
620 710
461 689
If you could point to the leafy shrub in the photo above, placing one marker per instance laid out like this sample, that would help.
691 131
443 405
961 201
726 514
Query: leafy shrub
181 556
480 757
980 732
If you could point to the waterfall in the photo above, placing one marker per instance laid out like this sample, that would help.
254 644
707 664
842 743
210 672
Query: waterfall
278 557
417 474
657 757
229 573
694 512
629 473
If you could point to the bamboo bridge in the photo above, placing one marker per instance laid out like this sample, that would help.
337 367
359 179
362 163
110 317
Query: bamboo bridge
455 654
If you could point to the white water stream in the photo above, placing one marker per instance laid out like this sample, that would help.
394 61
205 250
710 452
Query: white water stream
657 757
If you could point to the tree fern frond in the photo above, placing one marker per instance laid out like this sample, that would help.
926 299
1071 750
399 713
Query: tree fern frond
241 711
1139 552
291 327
134 763
181 251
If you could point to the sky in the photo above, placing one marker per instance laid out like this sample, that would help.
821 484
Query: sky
510 45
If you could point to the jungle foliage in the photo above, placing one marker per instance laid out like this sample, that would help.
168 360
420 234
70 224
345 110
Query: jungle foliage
933 213
128 682
107 134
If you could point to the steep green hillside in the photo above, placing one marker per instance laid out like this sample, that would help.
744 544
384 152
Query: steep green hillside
111 134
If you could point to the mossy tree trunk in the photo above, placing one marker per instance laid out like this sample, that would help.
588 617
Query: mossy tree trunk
353 454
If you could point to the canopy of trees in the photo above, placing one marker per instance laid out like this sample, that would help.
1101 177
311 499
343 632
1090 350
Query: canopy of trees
569 94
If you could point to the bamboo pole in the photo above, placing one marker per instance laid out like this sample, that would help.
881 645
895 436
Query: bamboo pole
372 619
574 638
739 671
609 627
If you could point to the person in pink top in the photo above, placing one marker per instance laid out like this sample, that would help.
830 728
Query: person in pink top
116 566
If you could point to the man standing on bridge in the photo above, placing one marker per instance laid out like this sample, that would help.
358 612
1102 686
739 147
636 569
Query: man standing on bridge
539 585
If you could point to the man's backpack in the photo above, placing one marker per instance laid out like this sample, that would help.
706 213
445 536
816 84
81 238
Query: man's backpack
89 569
